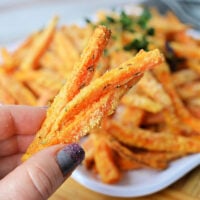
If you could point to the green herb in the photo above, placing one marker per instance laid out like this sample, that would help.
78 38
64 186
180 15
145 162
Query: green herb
150 31
126 22
88 21
137 44
110 19
144 18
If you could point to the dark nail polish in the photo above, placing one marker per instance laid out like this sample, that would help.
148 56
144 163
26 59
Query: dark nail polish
70 157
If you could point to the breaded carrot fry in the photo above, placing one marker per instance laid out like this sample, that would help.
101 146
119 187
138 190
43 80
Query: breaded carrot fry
132 116
125 163
109 82
83 70
195 110
105 161
194 64
174 123
51 61
46 98
12 60
194 102
39 46
5 96
36 88
152 88
150 140
79 124
142 102
8 61
189 90
156 160
163 74
65 50
181 50
17 90
184 76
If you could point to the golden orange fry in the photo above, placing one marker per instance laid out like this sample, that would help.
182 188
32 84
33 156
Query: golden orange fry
17 90
125 163
132 116
83 70
154 89
163 74
147 139
142 102
40 44
156 160
105 161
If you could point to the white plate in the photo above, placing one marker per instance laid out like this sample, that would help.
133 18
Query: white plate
140 182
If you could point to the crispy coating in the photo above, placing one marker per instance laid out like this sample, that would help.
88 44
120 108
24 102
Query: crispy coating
150 140
91 104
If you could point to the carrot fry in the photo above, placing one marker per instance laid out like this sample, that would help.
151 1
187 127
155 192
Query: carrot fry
156 160
142 102
79 124
152 88
65 50
125 163
104 161
110 80
18 91
83 70
189 91
150 140
137 118
39 46
163 75
8 61
5 96
184 76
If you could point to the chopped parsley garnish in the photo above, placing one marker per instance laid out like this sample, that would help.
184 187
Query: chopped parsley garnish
150 31
137 44
88 21
110 19
126 21
144 18
134 26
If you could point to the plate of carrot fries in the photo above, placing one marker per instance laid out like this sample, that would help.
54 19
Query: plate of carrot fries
125 85
138 182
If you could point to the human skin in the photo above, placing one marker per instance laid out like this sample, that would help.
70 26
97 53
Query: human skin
44 172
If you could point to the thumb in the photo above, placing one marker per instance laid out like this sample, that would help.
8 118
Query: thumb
42 174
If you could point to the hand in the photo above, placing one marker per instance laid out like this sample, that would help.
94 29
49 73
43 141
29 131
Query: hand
44 172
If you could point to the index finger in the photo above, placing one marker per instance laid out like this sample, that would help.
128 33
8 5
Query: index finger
18 119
